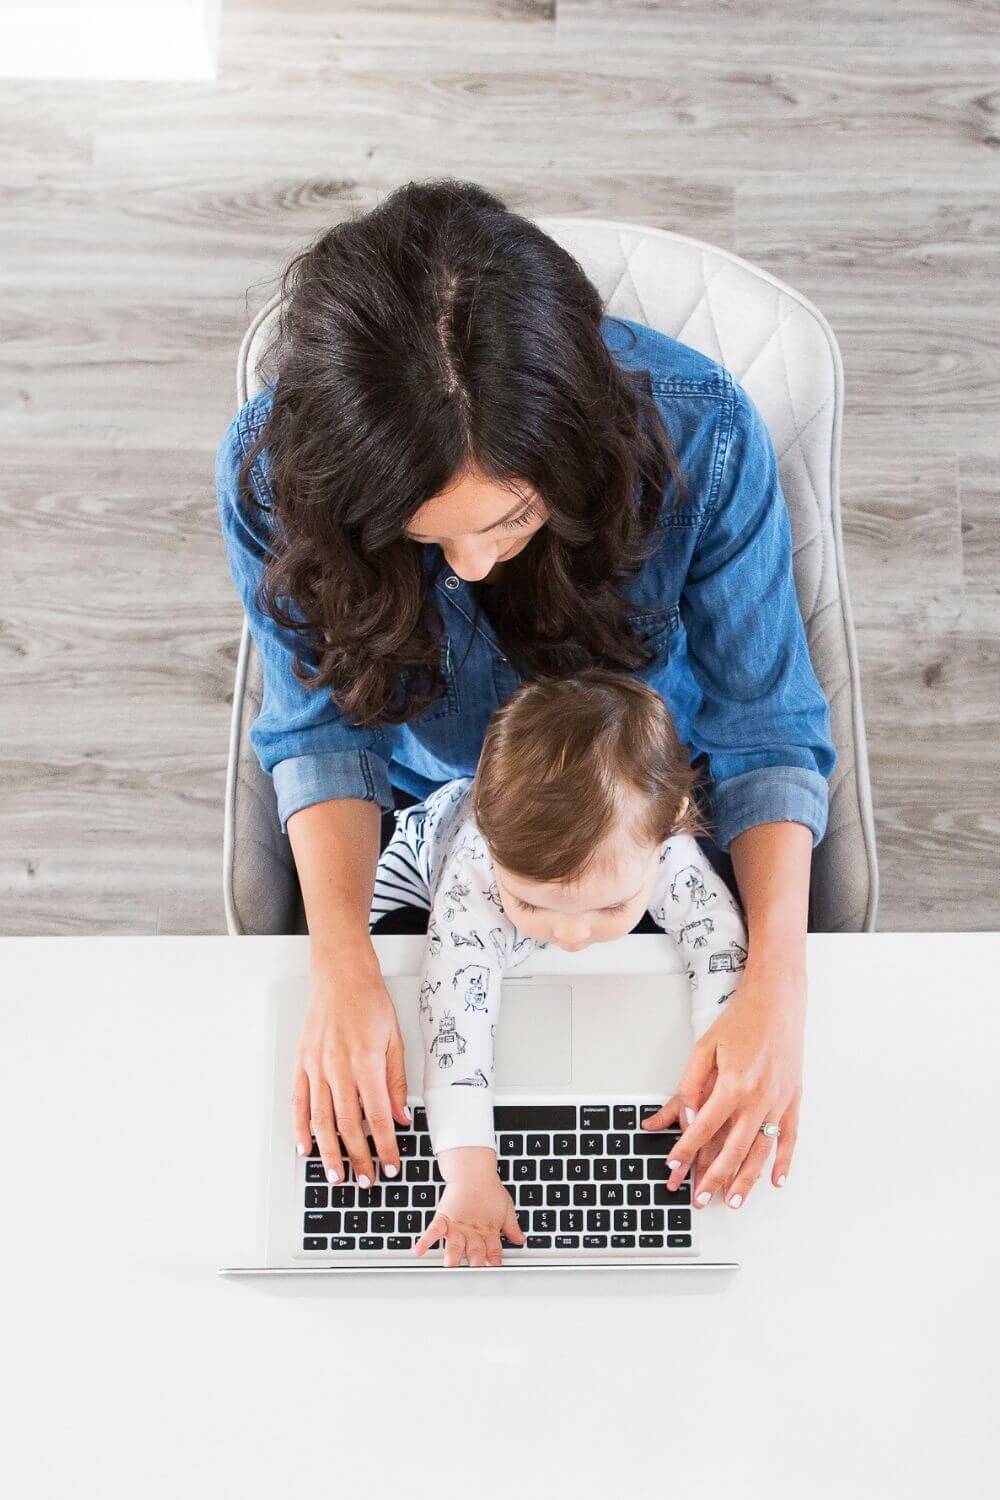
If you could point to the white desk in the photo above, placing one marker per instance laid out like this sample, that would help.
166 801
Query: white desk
853 1355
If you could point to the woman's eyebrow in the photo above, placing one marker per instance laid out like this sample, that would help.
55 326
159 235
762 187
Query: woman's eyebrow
521 505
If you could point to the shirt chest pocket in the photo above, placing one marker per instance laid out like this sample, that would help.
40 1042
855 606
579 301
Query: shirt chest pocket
655 630
449 704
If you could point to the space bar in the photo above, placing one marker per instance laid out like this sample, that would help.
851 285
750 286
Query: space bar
534 1117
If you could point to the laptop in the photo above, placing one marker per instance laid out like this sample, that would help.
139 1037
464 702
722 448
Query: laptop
588 1043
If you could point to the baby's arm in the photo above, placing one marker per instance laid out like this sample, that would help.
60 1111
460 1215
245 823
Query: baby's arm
469 945
694 905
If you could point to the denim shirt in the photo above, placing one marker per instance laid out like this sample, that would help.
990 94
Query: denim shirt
715 603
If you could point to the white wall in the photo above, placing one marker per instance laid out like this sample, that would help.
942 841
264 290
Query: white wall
113 39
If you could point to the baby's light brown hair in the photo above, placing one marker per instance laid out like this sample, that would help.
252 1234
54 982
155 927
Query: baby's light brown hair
558 758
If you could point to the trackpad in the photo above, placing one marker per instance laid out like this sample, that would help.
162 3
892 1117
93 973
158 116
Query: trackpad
535 1035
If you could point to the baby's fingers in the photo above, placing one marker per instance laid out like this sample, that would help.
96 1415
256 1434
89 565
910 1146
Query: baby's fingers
437 1229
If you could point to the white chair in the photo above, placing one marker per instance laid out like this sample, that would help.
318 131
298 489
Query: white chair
782 350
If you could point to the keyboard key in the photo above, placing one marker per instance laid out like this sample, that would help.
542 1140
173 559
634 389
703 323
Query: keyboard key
531 1195
397 1196
417 1170
651 1242
419 1119
557 1196
423 1196
383 1223
399 1242
623 1242
654 1142
656 1169
344 1196
408 1222
371 1242
625 1218
538 1145
370 1197
356 1223
543 1220
534 1117
401 1129
315 1197
567 1242
550 1169
678 1242
645 1110
592 1145
578 1169
605 1168
651 1219
599 1220
315 1171
564 1145
662 1195
584 1195
321 1223
624 1117
595 1242
539 1242
638 1194
512 1145
679 1218
618 1145
314 1242
612 1194
407 1145
342 1242
315 1149
629 1169
503 1169
570 1220
595 1117
424 1147
524 1170
510 1245
436 1174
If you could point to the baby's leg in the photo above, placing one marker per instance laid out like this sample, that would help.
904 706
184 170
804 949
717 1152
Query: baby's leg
399 880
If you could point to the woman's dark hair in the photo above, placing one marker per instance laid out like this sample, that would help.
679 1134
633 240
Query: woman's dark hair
441 333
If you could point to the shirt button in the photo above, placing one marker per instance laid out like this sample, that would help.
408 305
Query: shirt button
451 582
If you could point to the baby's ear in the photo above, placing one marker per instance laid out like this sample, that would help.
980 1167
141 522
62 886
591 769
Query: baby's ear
682 811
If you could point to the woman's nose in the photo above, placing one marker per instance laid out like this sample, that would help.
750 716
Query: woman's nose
471 561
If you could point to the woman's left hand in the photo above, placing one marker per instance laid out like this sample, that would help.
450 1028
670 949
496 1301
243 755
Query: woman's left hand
746 1069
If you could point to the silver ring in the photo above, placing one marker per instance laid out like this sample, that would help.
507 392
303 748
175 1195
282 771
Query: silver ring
770 1128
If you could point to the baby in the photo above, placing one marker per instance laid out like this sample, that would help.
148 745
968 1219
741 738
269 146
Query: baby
579 819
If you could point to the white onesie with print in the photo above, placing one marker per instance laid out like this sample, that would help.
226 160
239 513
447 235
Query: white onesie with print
438 859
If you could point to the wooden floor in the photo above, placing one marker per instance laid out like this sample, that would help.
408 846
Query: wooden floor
851 147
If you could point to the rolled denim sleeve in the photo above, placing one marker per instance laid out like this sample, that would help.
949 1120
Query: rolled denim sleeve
312 752
763 722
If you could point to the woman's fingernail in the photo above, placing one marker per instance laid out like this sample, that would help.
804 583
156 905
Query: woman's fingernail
406 1112
364 1181
736 1200
332 1176
674 1165
390 1170
702 1199
781 1180
300 1148
689 1114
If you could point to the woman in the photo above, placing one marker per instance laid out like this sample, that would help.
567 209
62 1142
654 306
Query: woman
464 475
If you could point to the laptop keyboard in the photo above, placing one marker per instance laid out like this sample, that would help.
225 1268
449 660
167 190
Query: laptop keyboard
582 1176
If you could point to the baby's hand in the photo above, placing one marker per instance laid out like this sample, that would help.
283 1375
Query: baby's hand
474 1210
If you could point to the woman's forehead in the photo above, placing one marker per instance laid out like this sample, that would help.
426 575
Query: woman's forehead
471 503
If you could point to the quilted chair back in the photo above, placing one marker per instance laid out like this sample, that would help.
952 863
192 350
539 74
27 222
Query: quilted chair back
781 349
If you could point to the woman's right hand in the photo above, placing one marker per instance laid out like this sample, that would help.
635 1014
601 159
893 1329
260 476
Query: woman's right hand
349 1063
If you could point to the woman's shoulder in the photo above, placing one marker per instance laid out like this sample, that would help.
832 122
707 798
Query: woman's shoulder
672 365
